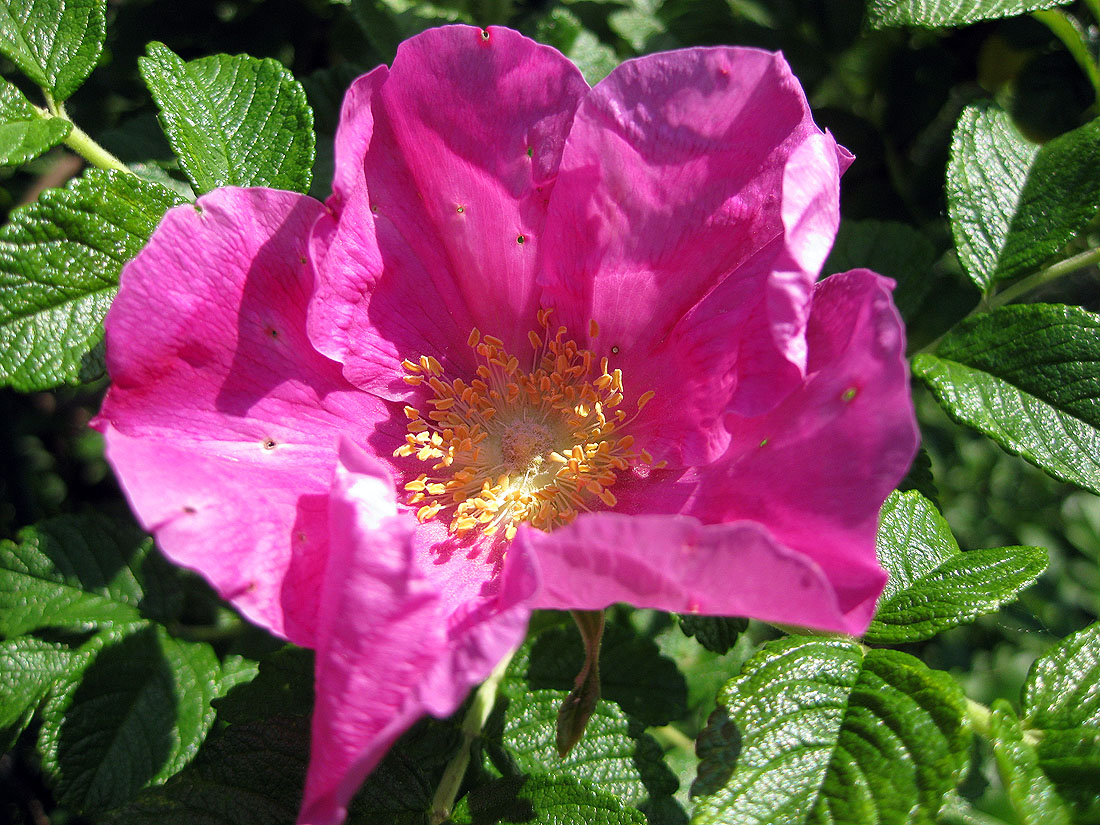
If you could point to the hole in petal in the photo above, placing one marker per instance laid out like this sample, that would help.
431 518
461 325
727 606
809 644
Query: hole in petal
460 209
850 393
269 444
520 239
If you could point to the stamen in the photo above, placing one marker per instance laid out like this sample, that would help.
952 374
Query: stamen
510 446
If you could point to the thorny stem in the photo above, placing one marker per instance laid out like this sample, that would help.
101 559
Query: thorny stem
444 800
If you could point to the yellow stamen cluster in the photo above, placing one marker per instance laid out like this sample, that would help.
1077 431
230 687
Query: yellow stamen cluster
513 446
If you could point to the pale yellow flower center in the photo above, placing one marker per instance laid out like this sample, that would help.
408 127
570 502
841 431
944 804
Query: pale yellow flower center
513 446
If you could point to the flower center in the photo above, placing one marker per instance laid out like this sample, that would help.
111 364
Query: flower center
513 446
524 443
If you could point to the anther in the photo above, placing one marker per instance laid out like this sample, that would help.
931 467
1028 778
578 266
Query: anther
514 446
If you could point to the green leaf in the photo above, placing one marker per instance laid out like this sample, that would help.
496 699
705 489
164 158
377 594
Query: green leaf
1061 689
252 774
24 132
633 673
818 731
1071 760
1061 702
986 175
1060 199
640 24
614 755
59 263
233 120
564 31
930 13
920 478
1028 376
28 668
1013 205
80 571
716 633
542 800
1030 791
55 43
135 716
400 790
933 586
893 249
282 687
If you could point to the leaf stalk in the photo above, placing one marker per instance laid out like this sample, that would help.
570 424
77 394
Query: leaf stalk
80 141
1045 276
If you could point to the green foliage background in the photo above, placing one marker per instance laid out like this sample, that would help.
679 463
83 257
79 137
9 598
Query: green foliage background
920 106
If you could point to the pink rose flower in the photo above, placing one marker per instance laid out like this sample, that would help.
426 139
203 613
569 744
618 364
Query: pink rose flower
545 346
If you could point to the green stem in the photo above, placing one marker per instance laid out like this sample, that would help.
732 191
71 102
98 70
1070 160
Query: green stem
672 737
1023 286
444 800
55 109
978 715
1045 276
80 141
1065 30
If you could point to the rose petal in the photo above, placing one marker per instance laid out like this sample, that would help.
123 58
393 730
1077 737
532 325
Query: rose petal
462 139
220 407
694 183
397 639
815 469
677 563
